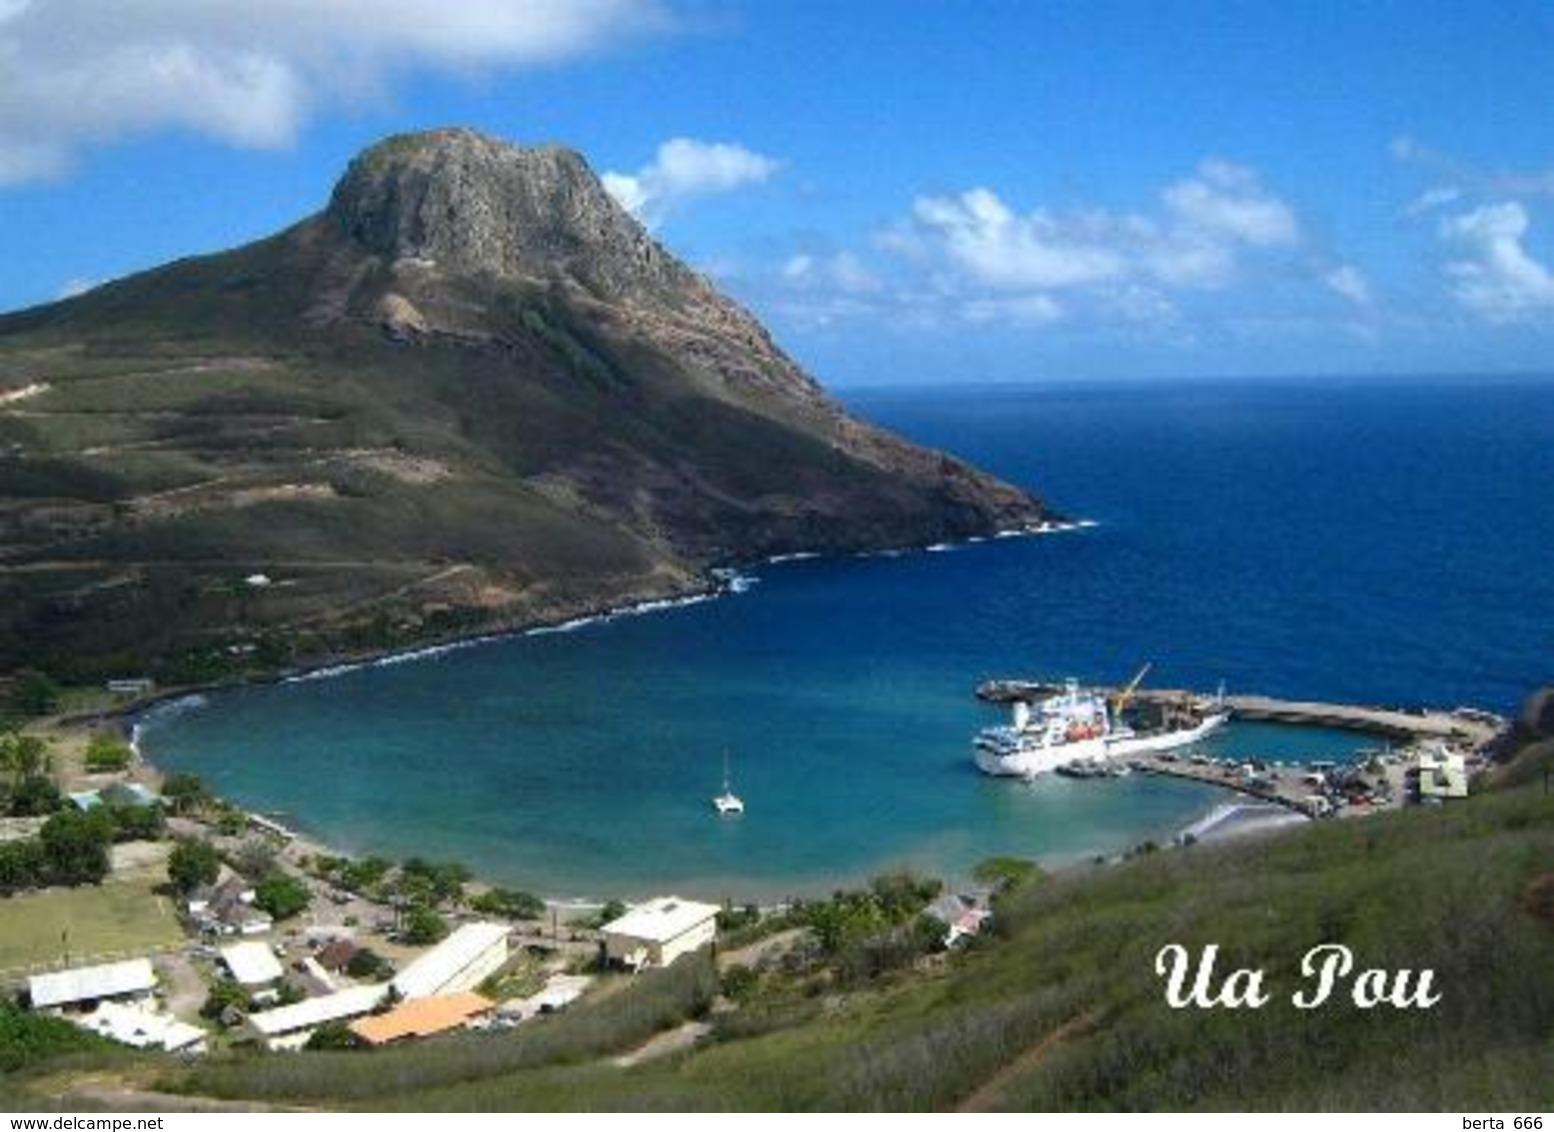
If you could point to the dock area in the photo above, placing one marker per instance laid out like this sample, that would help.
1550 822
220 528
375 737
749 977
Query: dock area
1467 727
1381 779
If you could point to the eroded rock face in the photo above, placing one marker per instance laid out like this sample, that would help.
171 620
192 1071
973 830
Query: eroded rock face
470 204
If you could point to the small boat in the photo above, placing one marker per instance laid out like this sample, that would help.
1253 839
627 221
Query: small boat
727 803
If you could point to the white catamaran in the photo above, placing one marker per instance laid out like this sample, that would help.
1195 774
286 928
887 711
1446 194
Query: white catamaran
1075 726
727 803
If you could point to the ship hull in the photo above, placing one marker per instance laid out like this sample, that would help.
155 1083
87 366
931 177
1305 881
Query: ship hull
1038 759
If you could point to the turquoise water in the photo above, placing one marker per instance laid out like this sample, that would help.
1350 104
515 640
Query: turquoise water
1385 543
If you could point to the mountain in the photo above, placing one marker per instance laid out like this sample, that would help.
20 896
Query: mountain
472 392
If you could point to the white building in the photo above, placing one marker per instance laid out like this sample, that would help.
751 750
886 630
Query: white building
290 1027
658 932
143 1029
130 981
252 964
459 963
1443 774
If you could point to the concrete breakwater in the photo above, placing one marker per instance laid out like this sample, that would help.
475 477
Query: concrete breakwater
1467 726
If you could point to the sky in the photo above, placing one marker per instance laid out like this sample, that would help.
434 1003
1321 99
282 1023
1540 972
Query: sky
908 191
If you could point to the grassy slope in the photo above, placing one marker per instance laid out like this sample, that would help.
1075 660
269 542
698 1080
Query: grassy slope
577 465
1439 889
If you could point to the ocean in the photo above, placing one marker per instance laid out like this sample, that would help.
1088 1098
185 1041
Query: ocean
1385 541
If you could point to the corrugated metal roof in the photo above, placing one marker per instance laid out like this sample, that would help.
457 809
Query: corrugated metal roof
441 965
348 1003
662 919
421 1017
252 964
141 1028
132 976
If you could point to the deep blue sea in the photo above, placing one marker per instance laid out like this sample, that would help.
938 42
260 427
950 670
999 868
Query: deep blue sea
1376 540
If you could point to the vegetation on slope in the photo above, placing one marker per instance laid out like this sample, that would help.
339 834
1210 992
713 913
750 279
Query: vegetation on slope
1063 1010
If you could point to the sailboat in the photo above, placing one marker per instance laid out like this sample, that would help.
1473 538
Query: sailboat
727 802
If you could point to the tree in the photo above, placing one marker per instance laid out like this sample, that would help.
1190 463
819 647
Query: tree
510 904
333 1035
33 693
107 752
254 858
366 964
192 864
1005 874
34 797
184 792
75 846
22 756
23 865
225 995
282 896
614 910
138 823
424 926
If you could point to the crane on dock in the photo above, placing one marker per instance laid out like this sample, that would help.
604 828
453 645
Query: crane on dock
1120 700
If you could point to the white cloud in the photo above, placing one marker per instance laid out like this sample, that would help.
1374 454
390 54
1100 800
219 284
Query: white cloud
843 272
1227 204
1348 281
684 168
1431 199
76 74
1499 280
1206 225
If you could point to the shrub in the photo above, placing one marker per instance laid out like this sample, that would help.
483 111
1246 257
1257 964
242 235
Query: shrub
192 864
107 752
366 964
225 995
184 792
137 823
333 1035
423 926
282 896
33 693
27 1038
511 904
35 796
75 846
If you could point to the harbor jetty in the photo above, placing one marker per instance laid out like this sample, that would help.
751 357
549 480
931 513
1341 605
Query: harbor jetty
1318 789
1469 727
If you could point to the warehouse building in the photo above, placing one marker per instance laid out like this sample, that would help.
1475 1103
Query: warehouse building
657 933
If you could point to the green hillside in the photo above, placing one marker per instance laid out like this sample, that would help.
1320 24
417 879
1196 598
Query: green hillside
472 392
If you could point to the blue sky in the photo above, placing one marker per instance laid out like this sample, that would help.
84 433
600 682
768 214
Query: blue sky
907 191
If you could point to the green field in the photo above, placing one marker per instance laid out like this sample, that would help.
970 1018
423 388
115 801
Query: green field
115 920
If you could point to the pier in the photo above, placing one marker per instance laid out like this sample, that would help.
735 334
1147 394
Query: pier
1469 727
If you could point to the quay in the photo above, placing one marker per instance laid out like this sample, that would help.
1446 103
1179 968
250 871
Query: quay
1465 726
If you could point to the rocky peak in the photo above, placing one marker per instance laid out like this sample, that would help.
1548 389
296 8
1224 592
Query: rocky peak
471 204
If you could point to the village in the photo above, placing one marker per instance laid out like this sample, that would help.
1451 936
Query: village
206 927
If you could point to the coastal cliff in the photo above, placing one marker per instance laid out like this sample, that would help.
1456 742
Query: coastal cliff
473 392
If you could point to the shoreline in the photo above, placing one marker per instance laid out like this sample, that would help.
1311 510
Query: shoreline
721 581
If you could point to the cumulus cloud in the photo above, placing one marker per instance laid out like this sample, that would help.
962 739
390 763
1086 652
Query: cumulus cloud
74 74
1350 283
1498 279
684 168
1205 226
